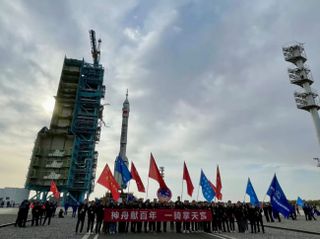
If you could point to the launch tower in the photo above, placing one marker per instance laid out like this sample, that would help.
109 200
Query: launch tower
65 152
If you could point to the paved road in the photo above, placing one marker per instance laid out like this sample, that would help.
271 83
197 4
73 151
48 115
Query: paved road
299 224
8 215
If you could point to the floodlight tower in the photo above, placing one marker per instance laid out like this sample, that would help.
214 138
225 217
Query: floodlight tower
307 99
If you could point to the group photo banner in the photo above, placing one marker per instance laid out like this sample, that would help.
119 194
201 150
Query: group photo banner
160 215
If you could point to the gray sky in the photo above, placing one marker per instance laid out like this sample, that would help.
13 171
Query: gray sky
207 85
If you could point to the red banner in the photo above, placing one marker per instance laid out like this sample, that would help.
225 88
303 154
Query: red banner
141 215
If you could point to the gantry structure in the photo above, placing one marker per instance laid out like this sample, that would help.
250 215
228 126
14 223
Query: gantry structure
65 152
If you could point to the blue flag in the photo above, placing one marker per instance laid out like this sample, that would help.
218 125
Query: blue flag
207 190
278 199
122 168
252 194
130 197
300 202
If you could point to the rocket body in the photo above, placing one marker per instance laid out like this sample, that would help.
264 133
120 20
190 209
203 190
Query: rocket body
123 140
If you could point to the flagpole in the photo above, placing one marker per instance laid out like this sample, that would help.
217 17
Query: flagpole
245 192
147 189
264 197
198 192
268 188
182 182
181 189
266 193
128 186
263 201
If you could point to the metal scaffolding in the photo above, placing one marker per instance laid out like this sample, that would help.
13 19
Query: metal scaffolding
66 151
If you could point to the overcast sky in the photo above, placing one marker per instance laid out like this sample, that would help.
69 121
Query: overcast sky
207 85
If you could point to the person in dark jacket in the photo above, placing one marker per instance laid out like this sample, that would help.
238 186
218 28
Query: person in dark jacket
66 206
91 211
99 216
239 215
178 205
265 211
82 210
220 217
152 224
74 209
269 210
48 211
139 223
230 216
42 212
259 219
122 226
146 205
214 222
276 215
112 226
22 214
60 214
252 218
35 211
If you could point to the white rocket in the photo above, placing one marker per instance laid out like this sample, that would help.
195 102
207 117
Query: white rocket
123 139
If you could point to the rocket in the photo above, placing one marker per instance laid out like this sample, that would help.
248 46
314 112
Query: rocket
123 139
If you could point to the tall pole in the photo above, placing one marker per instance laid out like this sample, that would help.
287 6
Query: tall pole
198 192
147 189
316 121
181 189
307 99
128 186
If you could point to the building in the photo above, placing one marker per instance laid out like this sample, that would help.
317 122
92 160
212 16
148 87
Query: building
13 195
65 152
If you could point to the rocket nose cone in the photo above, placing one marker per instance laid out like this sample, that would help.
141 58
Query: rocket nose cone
126 105
126 101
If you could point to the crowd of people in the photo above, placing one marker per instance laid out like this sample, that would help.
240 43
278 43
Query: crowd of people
225 217
41 212
310 211
8 203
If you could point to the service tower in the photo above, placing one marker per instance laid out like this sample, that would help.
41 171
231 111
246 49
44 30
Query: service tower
65 152
123 139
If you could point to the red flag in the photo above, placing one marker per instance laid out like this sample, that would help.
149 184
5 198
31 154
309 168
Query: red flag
54 190
186 177
106 179
213 187
218 185
136 177
155 174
